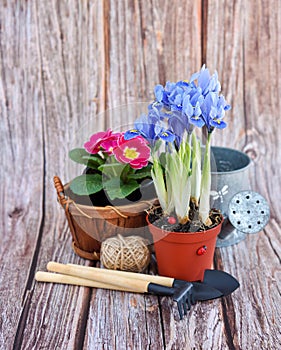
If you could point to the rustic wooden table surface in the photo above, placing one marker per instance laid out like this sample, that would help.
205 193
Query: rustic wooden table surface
62 64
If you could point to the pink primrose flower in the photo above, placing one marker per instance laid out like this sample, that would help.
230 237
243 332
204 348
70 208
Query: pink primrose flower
134 152
102 141
110 143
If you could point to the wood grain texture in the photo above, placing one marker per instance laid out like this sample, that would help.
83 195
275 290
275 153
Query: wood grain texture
125 321
248 55
42 105
224 53
65 48
22 212
149 42
62 65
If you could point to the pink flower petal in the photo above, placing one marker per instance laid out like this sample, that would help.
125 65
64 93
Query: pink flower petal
134 152
93 146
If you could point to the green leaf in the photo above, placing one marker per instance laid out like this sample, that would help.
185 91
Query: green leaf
140 175
129 187
86 184
111 170
79 155
158 177
127 171
162 159
115 166
116 188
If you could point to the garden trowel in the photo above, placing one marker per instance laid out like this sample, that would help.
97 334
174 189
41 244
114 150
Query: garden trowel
221 281
215 284
200 291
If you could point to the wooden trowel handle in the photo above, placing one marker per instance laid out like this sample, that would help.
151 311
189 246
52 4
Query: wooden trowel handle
164 281
98 275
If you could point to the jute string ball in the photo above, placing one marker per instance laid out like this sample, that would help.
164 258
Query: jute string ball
125 253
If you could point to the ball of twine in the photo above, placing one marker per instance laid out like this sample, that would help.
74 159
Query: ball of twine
125 253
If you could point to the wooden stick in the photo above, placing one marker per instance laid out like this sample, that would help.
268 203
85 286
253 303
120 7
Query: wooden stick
42 276
164 281
99 275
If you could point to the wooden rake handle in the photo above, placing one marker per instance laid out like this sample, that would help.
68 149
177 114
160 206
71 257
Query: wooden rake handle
136 285
42 276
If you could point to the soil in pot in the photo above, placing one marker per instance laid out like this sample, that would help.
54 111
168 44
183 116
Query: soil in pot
193 225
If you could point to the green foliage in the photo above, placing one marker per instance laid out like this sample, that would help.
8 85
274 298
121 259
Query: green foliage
141 174
86 184
79 155
116 188
117 179
177 178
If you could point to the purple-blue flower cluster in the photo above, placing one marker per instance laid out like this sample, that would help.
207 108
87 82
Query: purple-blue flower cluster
181 106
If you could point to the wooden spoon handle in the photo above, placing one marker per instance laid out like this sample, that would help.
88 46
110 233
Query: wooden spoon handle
99 275
164 281
42 276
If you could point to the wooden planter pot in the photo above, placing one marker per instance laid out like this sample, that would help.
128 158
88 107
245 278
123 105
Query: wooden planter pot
184 256
90 225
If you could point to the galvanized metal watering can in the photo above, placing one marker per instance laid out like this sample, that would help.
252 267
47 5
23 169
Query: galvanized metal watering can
230 175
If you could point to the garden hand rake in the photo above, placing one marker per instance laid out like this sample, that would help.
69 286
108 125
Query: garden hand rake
69 274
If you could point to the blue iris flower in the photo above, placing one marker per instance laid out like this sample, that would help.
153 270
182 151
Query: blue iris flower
213 111
193 112
178 123
151 127
144 126
172 95
167 135
206 82
183 105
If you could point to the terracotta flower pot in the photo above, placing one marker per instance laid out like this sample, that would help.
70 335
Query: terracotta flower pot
184 255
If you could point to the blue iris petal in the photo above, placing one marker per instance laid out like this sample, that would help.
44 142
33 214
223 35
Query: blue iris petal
158 129
197 109
194 76
187 107
203 80
178 100
218 123
169 86
130 134
197 121
158 92
178 124
167 136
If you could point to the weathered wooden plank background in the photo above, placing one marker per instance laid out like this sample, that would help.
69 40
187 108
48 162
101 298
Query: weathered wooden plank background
62 64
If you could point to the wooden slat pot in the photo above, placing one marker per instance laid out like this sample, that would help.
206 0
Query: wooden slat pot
90 225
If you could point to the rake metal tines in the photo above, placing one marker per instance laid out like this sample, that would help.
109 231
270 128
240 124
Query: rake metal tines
184 298
182 295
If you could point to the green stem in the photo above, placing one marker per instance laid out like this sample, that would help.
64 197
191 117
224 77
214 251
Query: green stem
113 161
204 207
196 169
